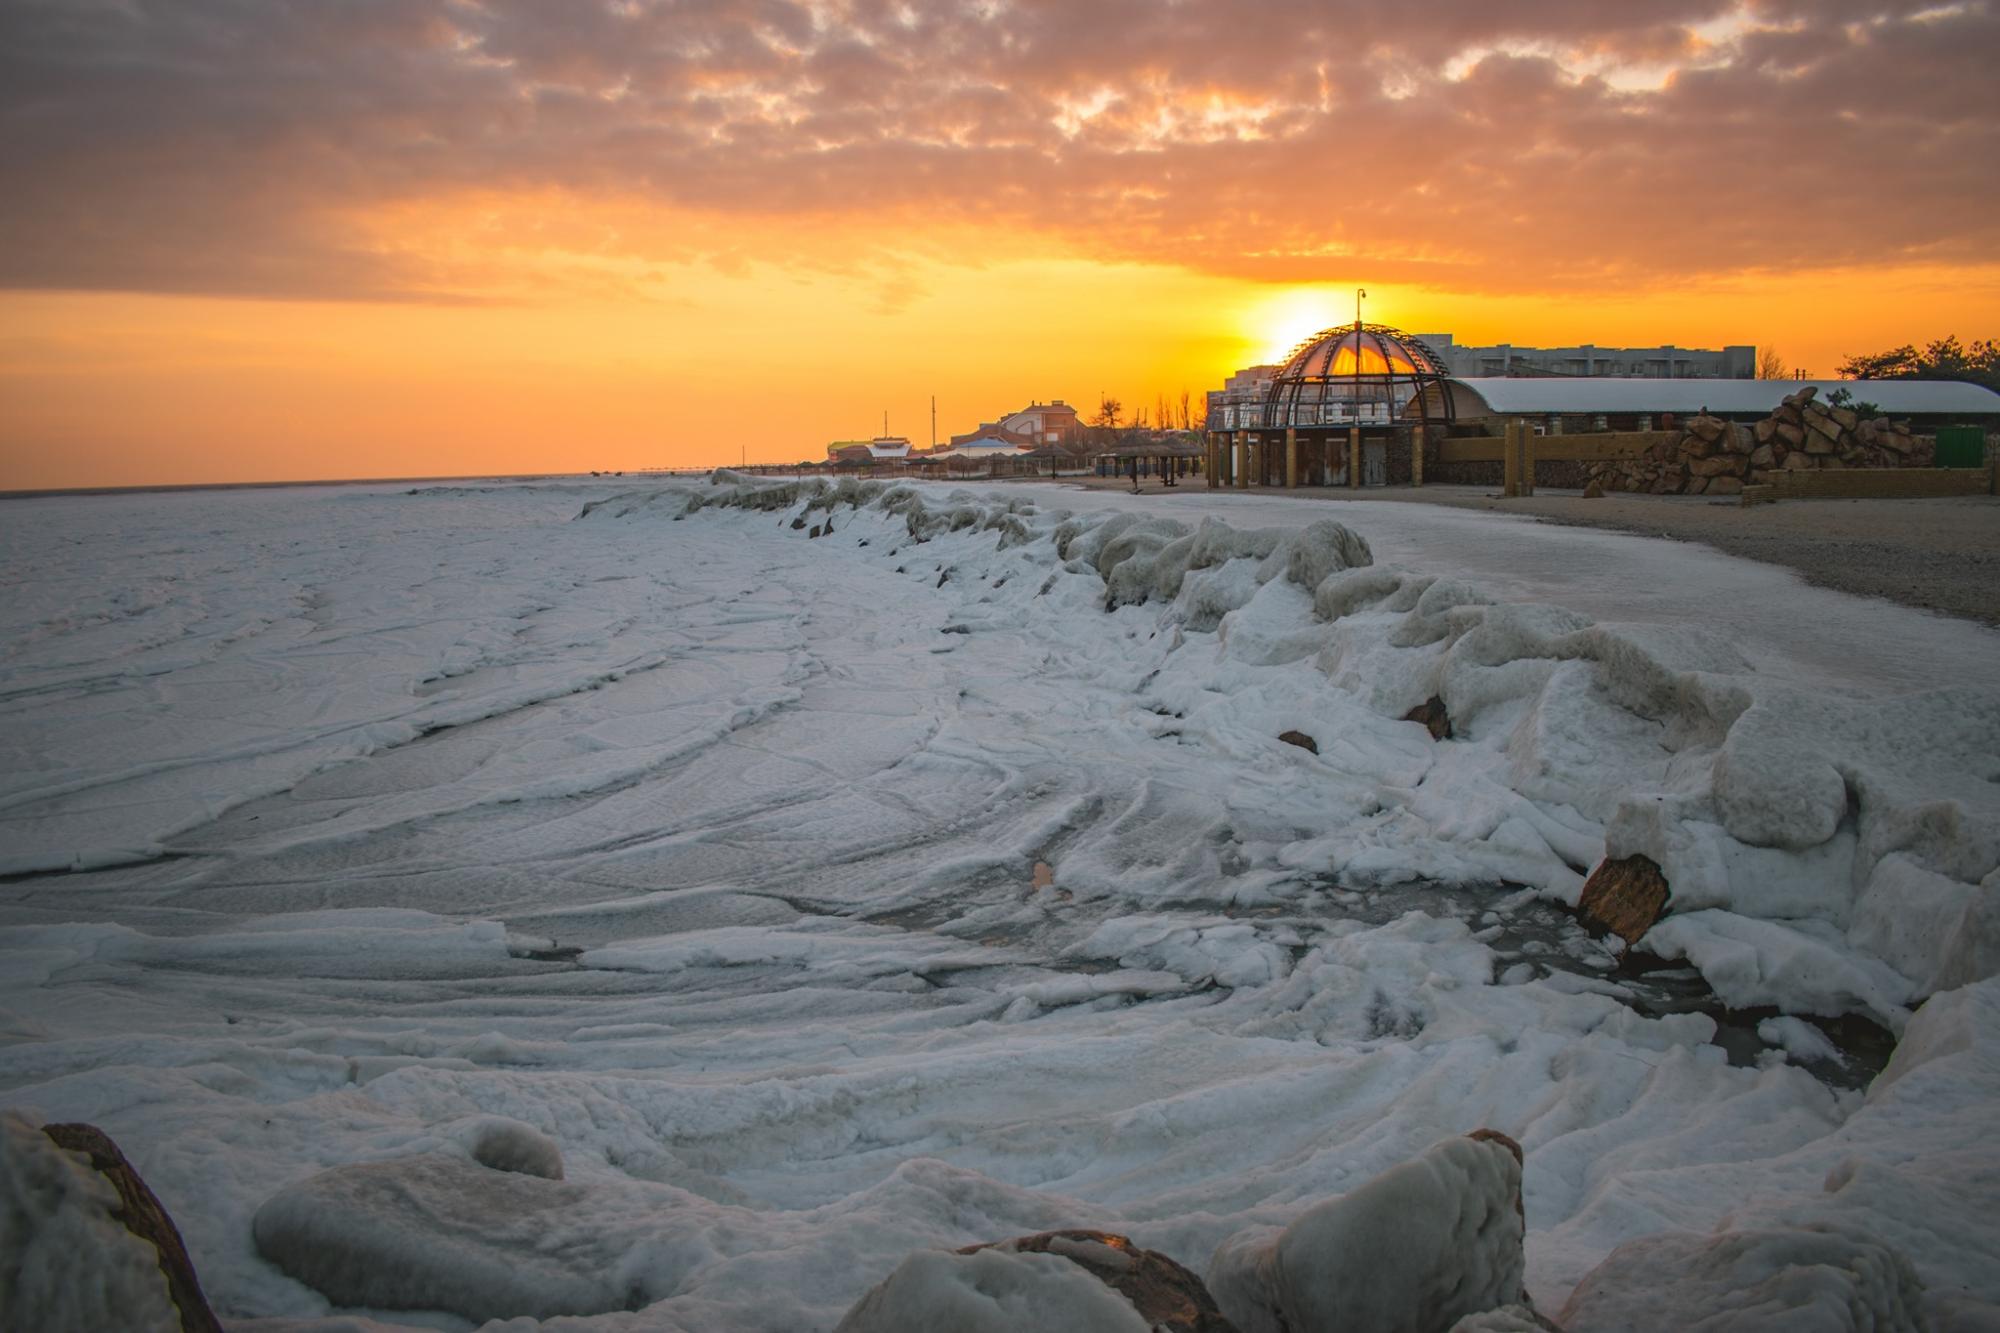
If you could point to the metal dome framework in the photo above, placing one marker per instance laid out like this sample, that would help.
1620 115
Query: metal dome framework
1357 374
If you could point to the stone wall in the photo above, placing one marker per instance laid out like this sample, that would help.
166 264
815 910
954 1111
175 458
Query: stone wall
1716 457
1556 473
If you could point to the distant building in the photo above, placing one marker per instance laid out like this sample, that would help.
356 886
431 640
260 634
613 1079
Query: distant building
1240 400
986 442
879 449
1035 424
1667 362
1044 423
990 436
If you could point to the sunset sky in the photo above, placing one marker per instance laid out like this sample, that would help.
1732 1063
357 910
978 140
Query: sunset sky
260 239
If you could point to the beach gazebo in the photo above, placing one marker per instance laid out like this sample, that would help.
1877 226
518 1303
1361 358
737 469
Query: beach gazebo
1053 455
1175 457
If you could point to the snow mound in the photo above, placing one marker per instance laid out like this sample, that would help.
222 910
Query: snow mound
991 1291
66 1260
437 1233
1417 1247
1150 559
1779 1279
505 1144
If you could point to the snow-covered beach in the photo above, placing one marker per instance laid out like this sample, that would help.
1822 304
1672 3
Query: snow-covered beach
941 878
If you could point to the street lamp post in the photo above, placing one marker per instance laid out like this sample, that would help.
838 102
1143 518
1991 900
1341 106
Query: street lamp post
1359 292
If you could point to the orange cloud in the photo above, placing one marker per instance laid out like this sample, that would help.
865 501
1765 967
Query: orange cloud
213 147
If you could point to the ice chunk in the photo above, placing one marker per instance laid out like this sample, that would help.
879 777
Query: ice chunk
1416 1248
438 1233
1949 1023
1749 1280
1506 1319
1798 1039
505 1144
1799 966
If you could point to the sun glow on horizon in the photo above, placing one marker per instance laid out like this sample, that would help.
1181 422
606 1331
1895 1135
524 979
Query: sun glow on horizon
1276 322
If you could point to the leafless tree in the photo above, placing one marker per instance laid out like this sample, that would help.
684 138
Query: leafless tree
1771 366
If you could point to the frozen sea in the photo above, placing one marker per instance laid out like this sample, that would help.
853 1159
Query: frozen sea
941 878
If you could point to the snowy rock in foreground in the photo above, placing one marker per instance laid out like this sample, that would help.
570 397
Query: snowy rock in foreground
972 1289
66 1260
1777 1279
438 1233
1417 1248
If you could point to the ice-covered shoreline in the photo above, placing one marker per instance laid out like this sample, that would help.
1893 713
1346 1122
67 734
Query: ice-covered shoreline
786 794
1836 823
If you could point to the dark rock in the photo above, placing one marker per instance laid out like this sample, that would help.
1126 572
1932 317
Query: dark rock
799 523
1431 712
1625 897
1300 739
1505 1141
1595 490
1167 1296
145 1218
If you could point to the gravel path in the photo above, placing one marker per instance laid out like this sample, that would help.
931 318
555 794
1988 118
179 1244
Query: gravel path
1941 555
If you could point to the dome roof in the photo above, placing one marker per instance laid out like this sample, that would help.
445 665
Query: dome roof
1353 375
1367 349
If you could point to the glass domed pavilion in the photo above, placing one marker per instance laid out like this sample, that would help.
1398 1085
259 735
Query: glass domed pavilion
1354 375
1350 405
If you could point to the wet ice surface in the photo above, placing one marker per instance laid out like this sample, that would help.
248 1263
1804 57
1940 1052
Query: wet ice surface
820 900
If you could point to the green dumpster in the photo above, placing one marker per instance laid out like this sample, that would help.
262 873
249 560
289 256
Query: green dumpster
1961 446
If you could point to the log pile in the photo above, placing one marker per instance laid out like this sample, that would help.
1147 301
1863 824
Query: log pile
1716 457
